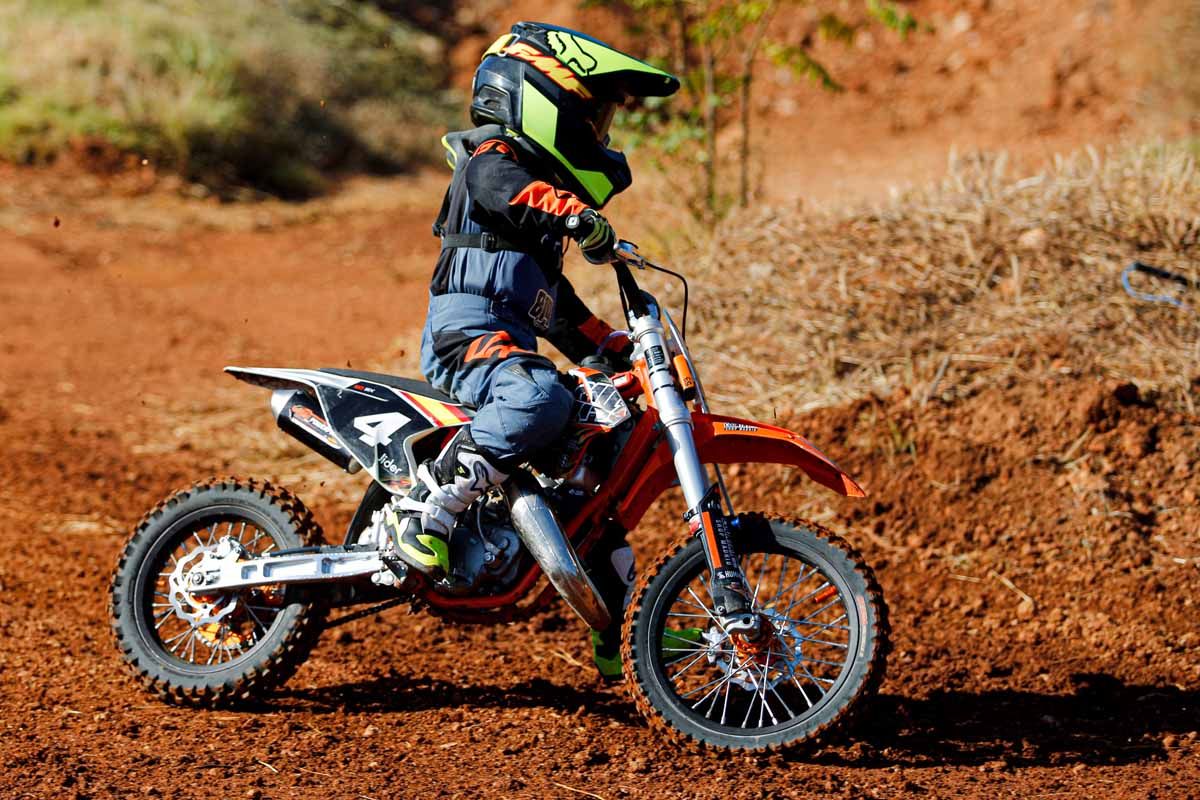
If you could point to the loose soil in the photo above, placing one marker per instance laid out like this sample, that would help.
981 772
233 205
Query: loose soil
1037 543
1037 540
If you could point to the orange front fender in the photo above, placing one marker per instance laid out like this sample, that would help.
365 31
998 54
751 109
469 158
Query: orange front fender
729 440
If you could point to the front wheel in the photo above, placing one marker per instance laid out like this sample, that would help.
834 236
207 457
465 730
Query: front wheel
210 649
822 649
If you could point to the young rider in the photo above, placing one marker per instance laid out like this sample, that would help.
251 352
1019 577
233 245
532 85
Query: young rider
534 174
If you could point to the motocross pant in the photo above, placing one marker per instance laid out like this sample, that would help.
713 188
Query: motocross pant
492 364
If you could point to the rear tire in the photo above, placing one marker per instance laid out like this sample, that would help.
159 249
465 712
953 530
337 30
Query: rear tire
271 644
847 627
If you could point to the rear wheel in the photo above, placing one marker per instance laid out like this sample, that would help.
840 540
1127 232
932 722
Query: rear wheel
207 649
822 651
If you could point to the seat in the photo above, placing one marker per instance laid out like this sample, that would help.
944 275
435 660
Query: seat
403 384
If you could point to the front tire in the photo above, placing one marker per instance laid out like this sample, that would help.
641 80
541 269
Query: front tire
210 650
825 654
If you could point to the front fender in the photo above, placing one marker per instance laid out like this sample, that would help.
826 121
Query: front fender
729 440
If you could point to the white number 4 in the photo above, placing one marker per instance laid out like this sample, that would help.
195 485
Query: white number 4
378 428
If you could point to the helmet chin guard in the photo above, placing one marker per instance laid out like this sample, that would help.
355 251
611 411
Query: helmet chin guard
557 89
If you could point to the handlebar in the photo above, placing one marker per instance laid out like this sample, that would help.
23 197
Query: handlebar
625 255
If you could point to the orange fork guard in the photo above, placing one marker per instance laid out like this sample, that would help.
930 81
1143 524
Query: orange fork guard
729 440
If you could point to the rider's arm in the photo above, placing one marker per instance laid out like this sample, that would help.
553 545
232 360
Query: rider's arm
578 333
502 190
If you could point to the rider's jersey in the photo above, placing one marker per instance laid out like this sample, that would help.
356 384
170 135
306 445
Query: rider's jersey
507 193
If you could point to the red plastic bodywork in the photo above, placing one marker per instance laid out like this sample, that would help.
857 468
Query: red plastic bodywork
729 440
645 469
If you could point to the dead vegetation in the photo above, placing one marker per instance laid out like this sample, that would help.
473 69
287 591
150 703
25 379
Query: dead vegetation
983 278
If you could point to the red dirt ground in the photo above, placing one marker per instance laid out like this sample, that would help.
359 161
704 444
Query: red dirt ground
117 311
115 326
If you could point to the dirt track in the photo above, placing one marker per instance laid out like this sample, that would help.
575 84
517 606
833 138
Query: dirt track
113 330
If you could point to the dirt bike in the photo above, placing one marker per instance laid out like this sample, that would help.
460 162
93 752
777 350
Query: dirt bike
750 633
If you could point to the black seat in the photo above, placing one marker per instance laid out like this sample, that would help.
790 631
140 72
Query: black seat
404 384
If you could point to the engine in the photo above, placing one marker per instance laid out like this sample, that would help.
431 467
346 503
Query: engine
485 551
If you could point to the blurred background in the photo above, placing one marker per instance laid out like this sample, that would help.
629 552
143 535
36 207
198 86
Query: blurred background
905 224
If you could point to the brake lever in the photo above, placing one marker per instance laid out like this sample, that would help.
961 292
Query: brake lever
626 253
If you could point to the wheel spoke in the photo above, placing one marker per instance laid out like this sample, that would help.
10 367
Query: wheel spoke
795 584
710 614
816 681
749 708
688 666
825 642
792 605
803 693
725 703
761 571
701 688
822 609
257 623
766 669
827 625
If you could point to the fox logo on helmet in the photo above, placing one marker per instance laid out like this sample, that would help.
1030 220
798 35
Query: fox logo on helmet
571 52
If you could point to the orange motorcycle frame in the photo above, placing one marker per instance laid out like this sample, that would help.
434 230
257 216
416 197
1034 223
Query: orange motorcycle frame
645 469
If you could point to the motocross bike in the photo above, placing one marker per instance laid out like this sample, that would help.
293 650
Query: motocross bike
750 633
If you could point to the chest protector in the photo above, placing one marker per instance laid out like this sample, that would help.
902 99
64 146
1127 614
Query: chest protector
460 146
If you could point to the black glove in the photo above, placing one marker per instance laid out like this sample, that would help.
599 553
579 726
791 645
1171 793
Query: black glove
595 236
610 362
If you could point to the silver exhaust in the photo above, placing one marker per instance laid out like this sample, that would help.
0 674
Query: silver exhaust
544 538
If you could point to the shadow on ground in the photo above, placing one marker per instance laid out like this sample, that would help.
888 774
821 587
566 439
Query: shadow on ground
1104 721
402 693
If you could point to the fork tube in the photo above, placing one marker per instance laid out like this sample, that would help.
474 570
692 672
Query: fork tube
728 585
672 411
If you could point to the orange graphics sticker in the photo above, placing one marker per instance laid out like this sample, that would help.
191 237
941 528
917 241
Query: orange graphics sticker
549 66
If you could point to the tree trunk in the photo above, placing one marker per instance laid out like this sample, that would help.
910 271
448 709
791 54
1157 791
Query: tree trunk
683 35
744 156
710 129
751 52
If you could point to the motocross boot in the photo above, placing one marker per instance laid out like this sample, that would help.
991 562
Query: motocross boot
675 646
419 525
615 583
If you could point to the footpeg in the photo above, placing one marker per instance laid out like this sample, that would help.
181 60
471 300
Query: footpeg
394 574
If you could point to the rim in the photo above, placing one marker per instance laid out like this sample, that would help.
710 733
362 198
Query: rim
781 680
208 631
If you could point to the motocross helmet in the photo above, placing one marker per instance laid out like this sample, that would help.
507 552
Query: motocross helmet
558 89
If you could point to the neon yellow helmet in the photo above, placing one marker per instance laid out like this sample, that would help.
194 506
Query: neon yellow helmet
558 89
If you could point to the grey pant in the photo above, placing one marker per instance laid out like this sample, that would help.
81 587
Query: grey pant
492 364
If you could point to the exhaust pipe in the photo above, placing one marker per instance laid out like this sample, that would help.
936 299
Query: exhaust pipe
544 538
299 416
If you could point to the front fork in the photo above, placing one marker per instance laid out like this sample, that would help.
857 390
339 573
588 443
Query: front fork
730 593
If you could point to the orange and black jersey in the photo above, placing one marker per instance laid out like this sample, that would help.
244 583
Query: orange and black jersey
510 199
503 191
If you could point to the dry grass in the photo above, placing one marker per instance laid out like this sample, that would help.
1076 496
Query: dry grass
982 278
269 94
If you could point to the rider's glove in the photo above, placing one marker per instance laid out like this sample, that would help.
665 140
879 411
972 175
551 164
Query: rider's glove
595 236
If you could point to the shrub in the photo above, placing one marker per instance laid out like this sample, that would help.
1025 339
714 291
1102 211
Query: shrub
270 94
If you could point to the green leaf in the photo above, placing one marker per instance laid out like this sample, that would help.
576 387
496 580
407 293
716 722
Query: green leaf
836 29
798 60
892 16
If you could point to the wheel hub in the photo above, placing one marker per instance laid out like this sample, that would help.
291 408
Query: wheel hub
769 659
198 609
